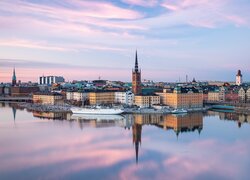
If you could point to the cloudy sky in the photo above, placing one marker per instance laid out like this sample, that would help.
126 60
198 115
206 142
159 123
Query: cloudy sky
85 39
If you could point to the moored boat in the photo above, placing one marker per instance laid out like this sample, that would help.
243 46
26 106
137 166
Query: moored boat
98 117
96 110
178 111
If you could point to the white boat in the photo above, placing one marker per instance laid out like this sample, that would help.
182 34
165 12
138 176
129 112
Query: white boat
178 111
98 117
96 110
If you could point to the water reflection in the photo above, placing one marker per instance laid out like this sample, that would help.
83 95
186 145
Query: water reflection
14 112
240 119
135 146
178 123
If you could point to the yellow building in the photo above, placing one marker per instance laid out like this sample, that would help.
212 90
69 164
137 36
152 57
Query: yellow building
182 98
146 101
97 98
48 98
213 96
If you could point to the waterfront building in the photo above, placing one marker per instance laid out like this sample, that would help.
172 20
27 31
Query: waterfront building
124 98
146 101
1 90
239 79
248 95
48 98
49 80
136 78
76 95
23 90
222 93
242 95
103 97
232 96
14 78
214 95
182 97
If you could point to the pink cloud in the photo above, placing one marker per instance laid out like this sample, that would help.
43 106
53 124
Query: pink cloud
82 9
145 3
205 13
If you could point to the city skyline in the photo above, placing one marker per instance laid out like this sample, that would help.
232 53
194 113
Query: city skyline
207 40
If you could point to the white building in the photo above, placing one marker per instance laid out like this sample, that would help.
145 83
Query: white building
48 80
77 96
248 95
124 98
242 95
239 79
222 93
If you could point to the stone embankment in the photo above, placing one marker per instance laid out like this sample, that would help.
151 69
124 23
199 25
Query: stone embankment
66 108
45 108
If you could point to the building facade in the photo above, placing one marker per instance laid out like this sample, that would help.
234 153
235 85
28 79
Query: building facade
136 78
182 98
214 96
97 98
49 80
48 98
146 101
124 98
248 95
23 90
76 96
242 95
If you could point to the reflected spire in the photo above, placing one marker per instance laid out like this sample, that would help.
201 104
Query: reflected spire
239 124
137 128
199 131
14 113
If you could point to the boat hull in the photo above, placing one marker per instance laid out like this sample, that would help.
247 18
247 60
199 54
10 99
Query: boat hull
96 111
98 117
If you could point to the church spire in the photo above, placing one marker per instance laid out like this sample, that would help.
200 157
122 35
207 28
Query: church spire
136 62
14 77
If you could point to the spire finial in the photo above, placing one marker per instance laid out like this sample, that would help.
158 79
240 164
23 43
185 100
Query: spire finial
136 61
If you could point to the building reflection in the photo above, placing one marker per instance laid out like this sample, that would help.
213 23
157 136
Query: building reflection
240 119
51 115
177 123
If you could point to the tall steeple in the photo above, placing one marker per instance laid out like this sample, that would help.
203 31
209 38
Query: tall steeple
14 77
136 77
136 62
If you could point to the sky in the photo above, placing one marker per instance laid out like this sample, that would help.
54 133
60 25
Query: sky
87 39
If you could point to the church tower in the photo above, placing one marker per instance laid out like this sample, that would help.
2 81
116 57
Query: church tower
14 78
136 78
239 78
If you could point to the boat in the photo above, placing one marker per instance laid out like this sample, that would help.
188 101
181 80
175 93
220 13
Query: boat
96 110
178 111
98 117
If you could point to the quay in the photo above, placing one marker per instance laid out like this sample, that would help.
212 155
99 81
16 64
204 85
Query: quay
15 99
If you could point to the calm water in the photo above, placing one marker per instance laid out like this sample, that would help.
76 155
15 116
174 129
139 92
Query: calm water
195 146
